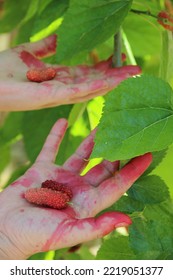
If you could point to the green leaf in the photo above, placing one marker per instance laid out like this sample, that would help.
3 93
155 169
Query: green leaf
85 253
137 118
52 12
13 13
10 132
5 156
152 235
44 4
94 109
149 190
162 212
37 125
157 159
78 252
73 137
89 23
164 169
24 32
165 256
144 239
166 65
12 126
31 11
76 112
135 25
115 248
68 147
43 256
127 205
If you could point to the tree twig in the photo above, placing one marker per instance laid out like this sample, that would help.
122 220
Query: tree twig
116 59
147 13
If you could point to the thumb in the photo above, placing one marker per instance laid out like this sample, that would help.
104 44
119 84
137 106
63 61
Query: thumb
74 232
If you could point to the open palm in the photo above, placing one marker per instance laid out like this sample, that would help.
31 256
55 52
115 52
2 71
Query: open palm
70 85
26 228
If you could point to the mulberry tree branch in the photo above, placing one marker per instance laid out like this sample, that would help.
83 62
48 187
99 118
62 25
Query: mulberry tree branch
116 59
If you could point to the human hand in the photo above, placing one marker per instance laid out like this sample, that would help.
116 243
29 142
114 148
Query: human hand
70 85
26 228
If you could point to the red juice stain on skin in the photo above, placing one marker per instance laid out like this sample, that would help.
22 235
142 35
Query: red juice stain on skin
41 75
51 194
49 49
22 195
24 182
30 60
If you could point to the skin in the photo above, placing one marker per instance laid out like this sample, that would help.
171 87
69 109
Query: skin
70 85
26 229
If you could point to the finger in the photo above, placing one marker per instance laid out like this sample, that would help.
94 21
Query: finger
56 92
42 48
93 88
53 141
101 172
85 88
83 69
112 82
112 189
74 232
131 70
79 159
84 91
103 65
114 77
52 93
